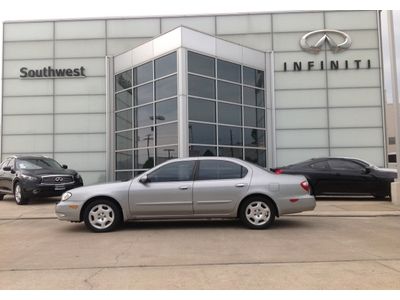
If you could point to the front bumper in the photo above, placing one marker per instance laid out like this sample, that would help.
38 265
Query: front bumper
68 211
34 190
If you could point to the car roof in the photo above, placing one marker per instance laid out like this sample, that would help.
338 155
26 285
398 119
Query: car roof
336 157
26 156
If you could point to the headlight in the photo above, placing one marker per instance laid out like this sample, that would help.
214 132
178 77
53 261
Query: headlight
30 178
66 196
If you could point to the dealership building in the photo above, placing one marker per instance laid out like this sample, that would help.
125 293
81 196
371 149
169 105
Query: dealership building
113 97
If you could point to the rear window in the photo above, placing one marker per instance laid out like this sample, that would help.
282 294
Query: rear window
216 169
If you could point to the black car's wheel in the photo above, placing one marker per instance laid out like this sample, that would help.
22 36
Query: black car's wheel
257 213
19 195
102 215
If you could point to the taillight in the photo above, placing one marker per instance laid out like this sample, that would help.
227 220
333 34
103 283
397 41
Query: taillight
278 171
305 185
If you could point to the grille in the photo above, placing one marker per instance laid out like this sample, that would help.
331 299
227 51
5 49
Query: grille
57 179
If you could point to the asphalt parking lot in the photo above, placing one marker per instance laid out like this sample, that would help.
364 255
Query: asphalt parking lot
341 245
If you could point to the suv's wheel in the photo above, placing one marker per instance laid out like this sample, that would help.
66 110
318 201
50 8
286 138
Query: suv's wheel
257 213
102 215
20 197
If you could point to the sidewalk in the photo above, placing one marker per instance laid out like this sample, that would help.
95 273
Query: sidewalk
44 209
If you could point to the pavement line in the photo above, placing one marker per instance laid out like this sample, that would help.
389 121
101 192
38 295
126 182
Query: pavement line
202 265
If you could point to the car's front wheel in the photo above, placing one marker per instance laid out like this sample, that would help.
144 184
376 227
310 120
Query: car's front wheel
19 195
257 213
102 215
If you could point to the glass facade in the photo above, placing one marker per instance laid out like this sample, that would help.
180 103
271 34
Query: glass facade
145 116
226 109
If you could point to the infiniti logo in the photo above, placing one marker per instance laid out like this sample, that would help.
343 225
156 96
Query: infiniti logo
58 179
335 39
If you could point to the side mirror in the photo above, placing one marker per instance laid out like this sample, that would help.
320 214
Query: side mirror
64 166
8 169
367 170
144 179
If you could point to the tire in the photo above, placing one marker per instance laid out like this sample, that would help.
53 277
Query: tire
257 213
19 196
102 215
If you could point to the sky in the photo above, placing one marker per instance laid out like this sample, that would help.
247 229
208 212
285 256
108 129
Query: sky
74 9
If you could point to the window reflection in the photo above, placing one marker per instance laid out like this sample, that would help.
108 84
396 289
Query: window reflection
144 137
254 117
166 87
123 120
123 80
201 87
144 115
123 100
144 158
229 71
229 114
143 94
123 160
165 153
201 110
167 134
255 156
254 137
229 92
123 140
166 111
165 65
201 64
202 151
228 135
143 73
231 152
202 133
253 77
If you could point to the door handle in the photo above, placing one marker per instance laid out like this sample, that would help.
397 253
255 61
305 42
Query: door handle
239 185
184 187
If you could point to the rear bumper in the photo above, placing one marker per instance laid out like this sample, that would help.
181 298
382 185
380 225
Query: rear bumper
296 204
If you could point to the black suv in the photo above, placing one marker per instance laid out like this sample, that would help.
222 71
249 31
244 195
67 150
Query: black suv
35 176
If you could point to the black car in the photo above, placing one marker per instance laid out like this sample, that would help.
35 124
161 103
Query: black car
343 176
29 177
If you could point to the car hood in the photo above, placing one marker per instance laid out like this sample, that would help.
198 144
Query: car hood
392 171
43 172
105 189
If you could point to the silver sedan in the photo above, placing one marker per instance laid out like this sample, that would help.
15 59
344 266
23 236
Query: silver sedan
197 187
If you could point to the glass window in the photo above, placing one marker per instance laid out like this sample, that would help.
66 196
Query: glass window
228 71
201 87
229 92
254 117
202 133
253 97
143 94
230 136
123 120
143 73
231 152
144 137
202 151
166 134
176 171
166 111
254 137
166 87
123 176
123 80
124 140
165 65
321 165
123 100
253 77
345 165
201 110
216 169
229 114
123 160
165 153
201 64
255 156
144 115
144 158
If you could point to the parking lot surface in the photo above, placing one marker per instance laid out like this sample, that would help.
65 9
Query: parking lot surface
347 245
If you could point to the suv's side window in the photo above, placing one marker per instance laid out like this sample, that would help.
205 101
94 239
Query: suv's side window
220 169
176 171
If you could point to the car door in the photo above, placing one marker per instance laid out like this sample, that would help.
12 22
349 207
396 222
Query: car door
320 176
168 191
9 176
349 177
219 186
2 174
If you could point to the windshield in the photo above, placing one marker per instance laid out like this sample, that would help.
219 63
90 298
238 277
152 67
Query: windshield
37 164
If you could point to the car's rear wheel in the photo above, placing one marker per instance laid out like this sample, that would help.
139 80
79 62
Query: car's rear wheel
257 213
102 215
19 195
